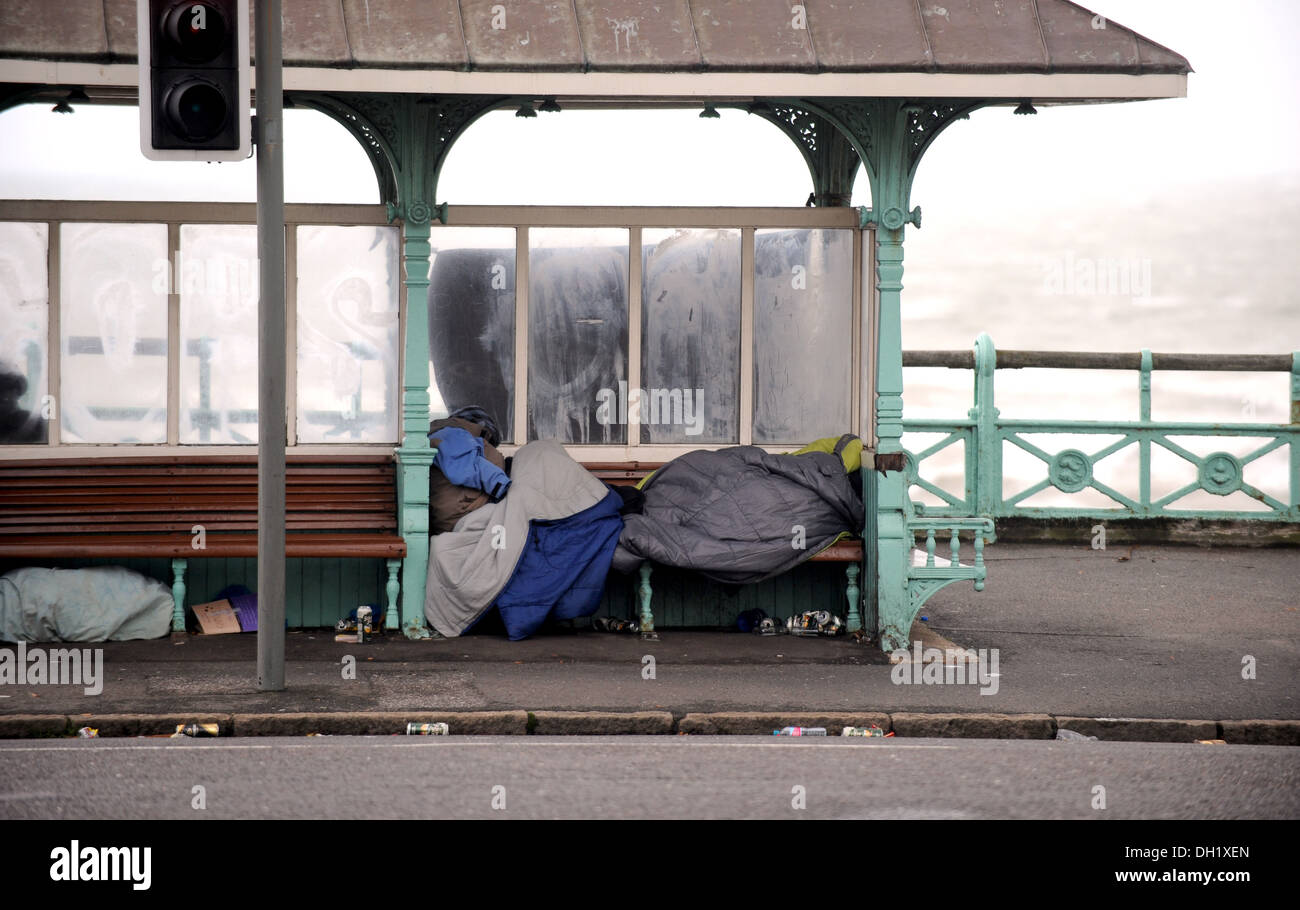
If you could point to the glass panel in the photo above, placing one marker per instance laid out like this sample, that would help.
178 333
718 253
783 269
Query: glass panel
216 274
24 315
690 336
577 334
803 334
348 385
472 323
113 326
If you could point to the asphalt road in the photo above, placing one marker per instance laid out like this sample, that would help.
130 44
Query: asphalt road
642 777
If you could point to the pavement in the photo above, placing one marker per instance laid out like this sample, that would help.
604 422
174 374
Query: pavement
1148 643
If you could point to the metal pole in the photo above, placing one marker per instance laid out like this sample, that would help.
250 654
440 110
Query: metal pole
270 351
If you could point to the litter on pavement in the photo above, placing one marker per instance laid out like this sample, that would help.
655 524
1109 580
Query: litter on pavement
197 730
439 729
800 731
1070 736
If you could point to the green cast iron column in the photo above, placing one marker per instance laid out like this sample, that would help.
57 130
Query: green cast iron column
407 138
893 612
889 136
414 456
891 183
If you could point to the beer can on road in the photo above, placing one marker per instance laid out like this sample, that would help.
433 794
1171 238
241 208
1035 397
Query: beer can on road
426 730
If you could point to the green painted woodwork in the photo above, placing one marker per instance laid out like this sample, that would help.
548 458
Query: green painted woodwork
414 456
644 593
407 138
985 434
178 595
392 588
854 621
685 599
890 136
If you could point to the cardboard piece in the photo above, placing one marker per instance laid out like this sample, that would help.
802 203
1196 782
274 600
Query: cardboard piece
217 618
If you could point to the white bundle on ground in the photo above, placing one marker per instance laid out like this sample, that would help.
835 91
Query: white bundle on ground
101 603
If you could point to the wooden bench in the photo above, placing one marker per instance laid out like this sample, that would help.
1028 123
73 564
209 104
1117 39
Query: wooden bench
193 507
844 551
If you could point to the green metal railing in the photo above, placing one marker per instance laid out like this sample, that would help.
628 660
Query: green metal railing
984 435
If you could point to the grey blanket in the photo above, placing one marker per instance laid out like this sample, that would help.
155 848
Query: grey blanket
740 515
98 603
470 564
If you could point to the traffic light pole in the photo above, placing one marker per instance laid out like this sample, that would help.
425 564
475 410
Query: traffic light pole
271 429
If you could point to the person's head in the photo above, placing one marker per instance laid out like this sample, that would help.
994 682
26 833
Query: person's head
475 414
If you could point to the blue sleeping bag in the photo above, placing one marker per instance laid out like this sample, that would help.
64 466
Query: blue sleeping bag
561 574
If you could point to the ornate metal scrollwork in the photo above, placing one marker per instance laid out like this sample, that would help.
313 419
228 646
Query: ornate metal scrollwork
926 120
1070 471
1220 473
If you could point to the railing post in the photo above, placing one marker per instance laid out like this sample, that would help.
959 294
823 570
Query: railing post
988 447
1144 442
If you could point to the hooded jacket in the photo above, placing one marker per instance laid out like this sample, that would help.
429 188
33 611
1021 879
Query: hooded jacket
448 502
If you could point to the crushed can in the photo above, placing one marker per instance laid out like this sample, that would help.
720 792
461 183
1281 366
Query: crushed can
439 729
872 730
88 733
197 730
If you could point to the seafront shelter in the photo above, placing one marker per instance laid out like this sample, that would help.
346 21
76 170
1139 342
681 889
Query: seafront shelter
735 326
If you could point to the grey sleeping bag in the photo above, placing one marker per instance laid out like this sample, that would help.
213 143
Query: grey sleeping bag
739 514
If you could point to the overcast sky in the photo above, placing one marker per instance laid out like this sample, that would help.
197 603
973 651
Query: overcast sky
1239 120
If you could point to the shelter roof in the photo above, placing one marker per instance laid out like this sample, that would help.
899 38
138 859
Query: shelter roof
650 49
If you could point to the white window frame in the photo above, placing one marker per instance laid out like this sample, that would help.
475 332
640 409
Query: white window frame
865 309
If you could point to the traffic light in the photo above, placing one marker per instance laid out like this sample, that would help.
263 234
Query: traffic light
194 79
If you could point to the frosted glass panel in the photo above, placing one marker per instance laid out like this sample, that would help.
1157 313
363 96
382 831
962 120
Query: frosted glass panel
113 326
24 319
348 386
577 334
803 334
690 336
472 322
218 282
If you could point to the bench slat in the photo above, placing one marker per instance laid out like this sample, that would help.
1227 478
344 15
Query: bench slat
190 504
209 522
844 551
386 546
